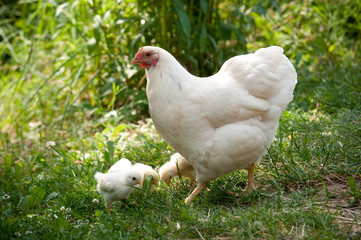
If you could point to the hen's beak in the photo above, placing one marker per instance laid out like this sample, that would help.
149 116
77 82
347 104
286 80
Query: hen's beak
135 60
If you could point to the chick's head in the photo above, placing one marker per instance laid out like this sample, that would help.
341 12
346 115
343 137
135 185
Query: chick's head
167 172
134 178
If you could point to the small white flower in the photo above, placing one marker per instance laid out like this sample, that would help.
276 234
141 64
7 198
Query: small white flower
111 114
5 197
62 208
95 200
50 143
34 125
56 216
28 232
178 226
17 234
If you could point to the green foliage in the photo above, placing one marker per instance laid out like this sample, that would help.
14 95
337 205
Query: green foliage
355 190
70 105
202 33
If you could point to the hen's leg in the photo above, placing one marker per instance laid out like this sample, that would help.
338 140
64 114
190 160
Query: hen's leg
251 182
195 192
109 203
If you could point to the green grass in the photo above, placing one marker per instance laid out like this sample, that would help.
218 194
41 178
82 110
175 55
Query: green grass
58 86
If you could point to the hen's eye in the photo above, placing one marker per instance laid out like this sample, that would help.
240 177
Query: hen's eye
134 178
147 54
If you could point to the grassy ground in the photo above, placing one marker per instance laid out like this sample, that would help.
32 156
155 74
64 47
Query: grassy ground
57 131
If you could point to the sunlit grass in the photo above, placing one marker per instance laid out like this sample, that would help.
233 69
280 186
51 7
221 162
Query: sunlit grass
55 188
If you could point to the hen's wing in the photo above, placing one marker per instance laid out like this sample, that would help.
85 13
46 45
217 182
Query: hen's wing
246 87
265 74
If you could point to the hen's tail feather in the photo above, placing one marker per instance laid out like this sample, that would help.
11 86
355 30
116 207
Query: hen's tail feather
282 73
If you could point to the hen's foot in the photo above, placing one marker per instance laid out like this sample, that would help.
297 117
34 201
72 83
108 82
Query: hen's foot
195 192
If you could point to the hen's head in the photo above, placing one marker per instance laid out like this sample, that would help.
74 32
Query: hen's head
146 57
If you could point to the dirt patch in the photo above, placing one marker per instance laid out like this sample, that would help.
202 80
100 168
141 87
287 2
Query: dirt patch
341 201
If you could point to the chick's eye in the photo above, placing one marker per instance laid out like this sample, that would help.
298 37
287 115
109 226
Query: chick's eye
134 178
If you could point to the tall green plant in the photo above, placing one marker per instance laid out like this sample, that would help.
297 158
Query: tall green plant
203 34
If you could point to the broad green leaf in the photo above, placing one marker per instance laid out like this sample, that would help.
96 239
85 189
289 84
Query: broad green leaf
353 186
331 48
98 213
204 6
106 15
58 223
60 8
183 18
106 156
36 195
203 37
51 196
97 27
17 169
298 57
110 145
184 214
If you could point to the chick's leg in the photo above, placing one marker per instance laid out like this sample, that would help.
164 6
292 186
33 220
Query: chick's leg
251 182
195 192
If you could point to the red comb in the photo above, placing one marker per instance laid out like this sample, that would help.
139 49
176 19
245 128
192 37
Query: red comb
139 51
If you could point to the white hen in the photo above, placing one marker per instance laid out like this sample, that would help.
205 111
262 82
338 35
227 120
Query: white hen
177 165
116 186
145 172
224 122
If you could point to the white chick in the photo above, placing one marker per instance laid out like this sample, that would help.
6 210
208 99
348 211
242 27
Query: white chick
116 186
123 165
178 165
146 171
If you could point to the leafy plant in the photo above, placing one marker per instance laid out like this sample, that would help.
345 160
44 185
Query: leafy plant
355 190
